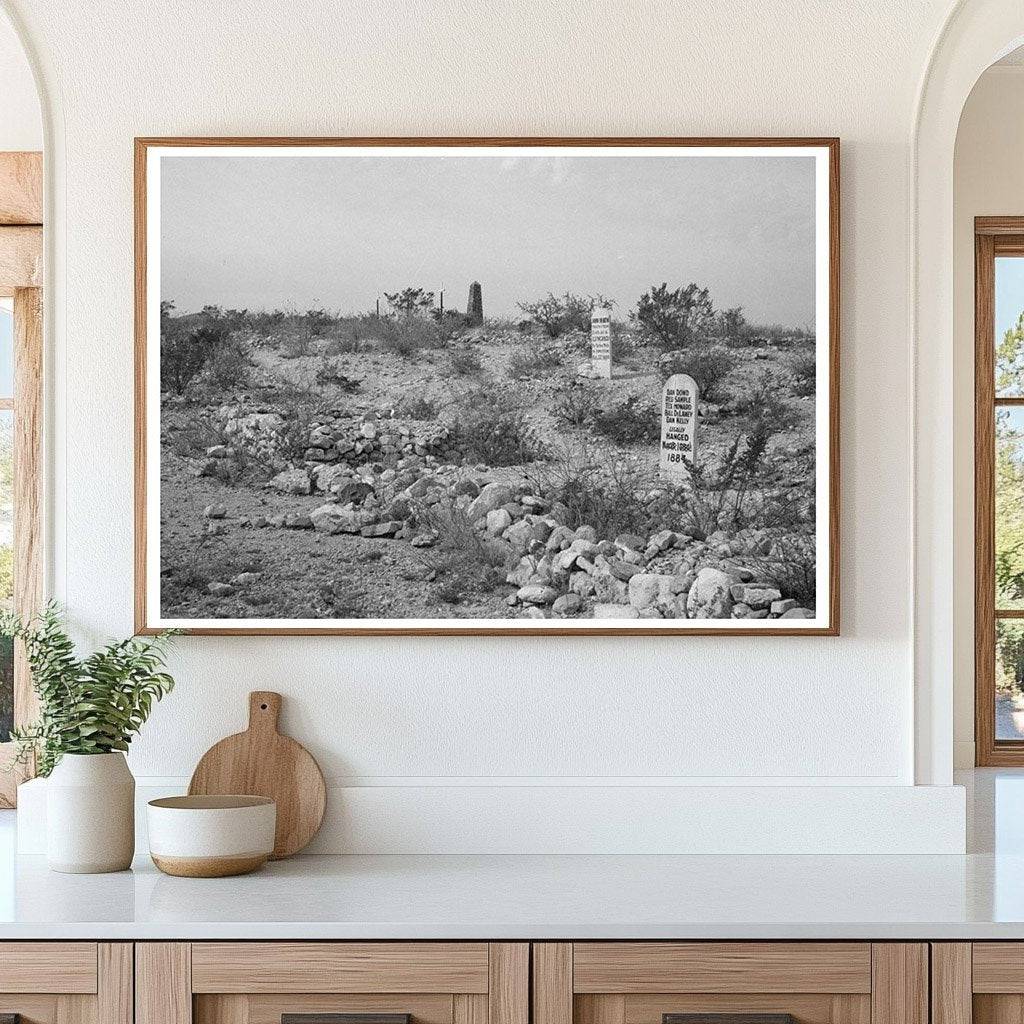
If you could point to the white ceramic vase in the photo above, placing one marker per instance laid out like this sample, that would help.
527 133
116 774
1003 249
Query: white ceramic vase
90 814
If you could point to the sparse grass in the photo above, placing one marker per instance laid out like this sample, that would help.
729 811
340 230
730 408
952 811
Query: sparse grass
630 422
416 408
406 336
465 362
534 362
329 374
467 562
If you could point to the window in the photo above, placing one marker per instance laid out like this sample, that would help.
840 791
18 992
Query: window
999 490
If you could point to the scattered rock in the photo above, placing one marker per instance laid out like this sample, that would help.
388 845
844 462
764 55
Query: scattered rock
215 529
615 611
334 519
567 604
424 540
754 595
709 597
536 594
220 589
215 511
491 497
298 521
293 481
498 520
385 529
798 613
781 607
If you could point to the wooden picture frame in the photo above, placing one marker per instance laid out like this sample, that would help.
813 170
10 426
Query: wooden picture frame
993 237
824 621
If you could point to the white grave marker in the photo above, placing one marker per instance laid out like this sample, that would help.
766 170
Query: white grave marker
601 342
678 427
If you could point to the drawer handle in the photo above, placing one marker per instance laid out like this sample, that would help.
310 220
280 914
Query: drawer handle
340 1018
728 1018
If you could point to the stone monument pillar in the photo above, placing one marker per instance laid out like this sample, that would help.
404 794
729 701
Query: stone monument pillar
601 342
475 307
678 427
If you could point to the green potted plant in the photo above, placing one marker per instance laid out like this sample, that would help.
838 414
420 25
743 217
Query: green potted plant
89 710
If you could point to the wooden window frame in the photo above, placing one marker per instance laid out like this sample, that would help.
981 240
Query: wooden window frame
21 269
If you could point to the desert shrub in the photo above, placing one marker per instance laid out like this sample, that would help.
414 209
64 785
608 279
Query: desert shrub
576 406
191 433
317 320
185 352
556 314
341 345
534 362
416 408
709 367
791 567
498 437
297 345
630 422
328 373
803 366
731 324
465 362
674 318
597 490
763 403
406 336
230 364
467 562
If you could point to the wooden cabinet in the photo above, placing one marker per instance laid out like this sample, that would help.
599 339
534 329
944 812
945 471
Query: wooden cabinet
979 982
66 982
260 982
815 982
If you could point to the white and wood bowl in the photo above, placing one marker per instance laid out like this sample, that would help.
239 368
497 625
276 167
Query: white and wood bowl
211 836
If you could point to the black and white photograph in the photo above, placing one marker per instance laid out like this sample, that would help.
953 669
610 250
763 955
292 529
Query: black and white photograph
478 387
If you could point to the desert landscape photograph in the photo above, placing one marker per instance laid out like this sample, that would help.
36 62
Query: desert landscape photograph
525 388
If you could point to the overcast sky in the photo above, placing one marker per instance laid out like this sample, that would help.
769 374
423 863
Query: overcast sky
305 232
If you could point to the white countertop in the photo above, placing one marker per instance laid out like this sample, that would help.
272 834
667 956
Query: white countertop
532 897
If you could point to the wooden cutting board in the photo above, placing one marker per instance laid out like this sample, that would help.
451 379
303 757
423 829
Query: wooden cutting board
262 762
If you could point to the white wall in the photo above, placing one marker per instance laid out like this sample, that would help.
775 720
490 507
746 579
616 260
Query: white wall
20 121
442 713
988 180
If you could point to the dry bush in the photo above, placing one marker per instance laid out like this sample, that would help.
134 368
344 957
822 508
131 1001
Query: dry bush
492 435
708 366
534 362
466 561
803 366
328 373
465 362
630 422
416 408
408 335
577 405
791 567
764 403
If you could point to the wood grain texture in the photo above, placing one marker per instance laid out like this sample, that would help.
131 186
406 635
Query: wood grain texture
264 1008
27 500
997 967
851 1009
115 988
998 1009
76 1009
467 1008
225 1009
899 987
984 503
65 967
21 188
339 967
951 983
32 1009
163 983
21 258
599 1009
143 145
806 1008
262 762
508 992
552 983
633 967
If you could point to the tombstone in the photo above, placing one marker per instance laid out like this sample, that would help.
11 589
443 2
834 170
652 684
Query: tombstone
475 306
678 427
601 342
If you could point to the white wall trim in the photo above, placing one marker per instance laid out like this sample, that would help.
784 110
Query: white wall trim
974 35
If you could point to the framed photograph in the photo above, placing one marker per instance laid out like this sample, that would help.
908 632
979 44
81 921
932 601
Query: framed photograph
487 386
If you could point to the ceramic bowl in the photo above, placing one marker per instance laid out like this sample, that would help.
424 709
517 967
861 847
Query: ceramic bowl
211 836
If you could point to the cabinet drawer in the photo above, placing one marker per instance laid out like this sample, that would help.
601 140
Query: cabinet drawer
48 967
262 982
737 982
630 967
340 967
